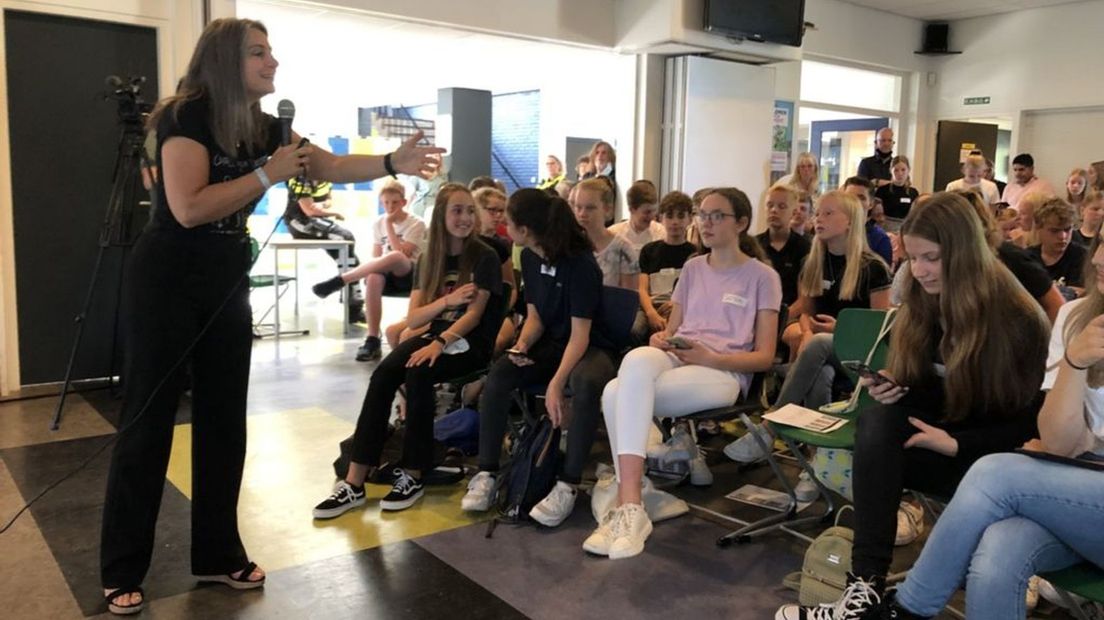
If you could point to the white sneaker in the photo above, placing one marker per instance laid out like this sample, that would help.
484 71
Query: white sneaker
680 447
700 476
556 506
629 532
910 524
806 490
480 493
599 540
746 449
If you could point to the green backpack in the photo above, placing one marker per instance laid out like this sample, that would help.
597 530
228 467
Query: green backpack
827 562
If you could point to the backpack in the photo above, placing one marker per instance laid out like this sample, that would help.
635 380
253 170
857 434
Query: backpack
459 429
827 562
530 474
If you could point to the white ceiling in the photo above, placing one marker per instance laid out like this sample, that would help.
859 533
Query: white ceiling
938 10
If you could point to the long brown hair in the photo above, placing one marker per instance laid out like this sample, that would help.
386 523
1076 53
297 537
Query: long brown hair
215 74
1091 307
995 336
811 281
431 264
741 208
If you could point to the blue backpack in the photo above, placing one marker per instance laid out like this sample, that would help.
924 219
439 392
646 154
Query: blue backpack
530 474
459 429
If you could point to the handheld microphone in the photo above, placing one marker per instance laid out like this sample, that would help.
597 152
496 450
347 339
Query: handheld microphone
285 110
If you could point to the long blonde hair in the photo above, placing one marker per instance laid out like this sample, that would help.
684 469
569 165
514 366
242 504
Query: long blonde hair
813 188
811 281
995 336
215 73
431 264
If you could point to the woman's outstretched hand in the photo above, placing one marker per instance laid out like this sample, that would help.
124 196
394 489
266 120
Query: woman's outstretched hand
416 160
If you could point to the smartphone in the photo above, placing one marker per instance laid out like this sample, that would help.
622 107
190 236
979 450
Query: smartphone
867 372
678 342
516 352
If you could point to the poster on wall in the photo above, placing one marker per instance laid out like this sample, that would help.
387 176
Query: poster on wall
782 138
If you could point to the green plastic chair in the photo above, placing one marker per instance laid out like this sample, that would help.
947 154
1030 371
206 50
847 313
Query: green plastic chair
1083 580
260 328
856 332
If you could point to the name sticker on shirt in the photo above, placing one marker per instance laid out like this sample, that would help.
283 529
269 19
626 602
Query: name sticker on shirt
669 271
734 299
906 200
827 284
548 270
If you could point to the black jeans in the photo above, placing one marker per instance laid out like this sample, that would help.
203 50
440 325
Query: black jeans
175 284
586 382
882 469
391 373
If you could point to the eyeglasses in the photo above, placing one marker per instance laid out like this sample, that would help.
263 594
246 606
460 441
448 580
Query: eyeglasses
713 217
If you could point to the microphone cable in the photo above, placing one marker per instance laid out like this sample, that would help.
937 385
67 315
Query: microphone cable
160 384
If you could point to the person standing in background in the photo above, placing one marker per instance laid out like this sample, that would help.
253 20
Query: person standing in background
878 167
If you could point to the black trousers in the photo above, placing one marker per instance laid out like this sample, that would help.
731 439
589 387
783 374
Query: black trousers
175 284
882 469
391 373
586 382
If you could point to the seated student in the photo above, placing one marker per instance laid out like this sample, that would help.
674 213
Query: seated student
1008 222
641 228
960 384
1027 236
308 216
973 171
1064 261
1092 216
801 222
999 529
840 272
1076 184
723 328
785 248
490 207
660 264
876 238
616 256
459 297
897 196
557 345
399 237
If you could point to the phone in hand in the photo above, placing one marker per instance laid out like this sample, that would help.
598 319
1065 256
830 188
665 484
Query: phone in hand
678 342
867 372
517 352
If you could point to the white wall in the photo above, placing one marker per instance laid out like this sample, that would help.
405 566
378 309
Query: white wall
858 34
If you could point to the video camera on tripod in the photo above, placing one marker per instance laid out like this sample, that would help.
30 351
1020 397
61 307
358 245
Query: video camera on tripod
128 93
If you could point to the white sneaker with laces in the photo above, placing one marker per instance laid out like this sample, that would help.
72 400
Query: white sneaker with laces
858 599
700 476
806 490
910 524
480 493
629 532
746 449
680 447
556 506
599 540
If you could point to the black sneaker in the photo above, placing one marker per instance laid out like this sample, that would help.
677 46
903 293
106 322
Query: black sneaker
370 350
356 314
345 497
326 288
406 491
861 600
385 474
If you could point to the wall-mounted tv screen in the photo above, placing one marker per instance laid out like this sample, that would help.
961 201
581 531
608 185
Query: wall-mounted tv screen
771 21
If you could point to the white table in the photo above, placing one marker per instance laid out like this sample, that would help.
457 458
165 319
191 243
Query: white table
341 245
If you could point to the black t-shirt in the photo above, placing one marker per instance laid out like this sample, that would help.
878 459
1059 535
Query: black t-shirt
1027 268
897 199
193 121
873 277
1069 269
487 275
500 246
787 261
571 288
1080 239
662 263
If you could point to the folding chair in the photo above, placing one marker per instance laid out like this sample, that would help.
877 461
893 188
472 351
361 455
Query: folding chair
281 284
1084 580
856 333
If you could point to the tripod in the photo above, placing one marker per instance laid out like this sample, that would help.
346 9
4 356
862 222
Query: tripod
118 226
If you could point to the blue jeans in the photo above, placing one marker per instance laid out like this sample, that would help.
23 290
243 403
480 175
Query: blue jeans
1013 516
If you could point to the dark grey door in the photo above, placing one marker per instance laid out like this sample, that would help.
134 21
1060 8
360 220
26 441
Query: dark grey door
955 137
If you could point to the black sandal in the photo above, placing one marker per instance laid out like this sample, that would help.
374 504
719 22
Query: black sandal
241 582
125 610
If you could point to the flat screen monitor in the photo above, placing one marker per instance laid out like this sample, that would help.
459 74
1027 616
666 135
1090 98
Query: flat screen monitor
770 21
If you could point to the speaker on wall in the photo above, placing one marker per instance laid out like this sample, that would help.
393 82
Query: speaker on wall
936 36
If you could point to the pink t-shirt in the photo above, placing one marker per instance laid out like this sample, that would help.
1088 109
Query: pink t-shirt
719 306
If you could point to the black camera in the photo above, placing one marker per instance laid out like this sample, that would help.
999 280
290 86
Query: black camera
127 92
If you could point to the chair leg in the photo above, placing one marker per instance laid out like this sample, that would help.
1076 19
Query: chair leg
788 519
1075 609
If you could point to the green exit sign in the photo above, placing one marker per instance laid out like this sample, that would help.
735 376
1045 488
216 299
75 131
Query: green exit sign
975 101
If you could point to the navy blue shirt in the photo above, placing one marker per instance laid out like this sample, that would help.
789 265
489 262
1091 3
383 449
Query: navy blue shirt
570 288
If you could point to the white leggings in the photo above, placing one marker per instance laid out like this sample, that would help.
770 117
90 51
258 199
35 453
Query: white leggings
651 382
